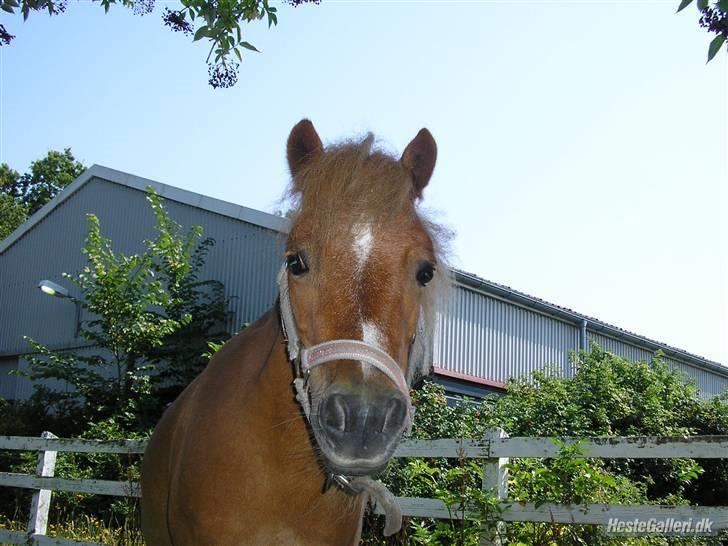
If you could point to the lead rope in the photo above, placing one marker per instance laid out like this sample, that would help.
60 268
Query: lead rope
377 492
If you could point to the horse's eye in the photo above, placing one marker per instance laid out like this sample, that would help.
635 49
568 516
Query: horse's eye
296 264
425 273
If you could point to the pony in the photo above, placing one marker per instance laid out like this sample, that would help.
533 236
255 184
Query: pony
316 391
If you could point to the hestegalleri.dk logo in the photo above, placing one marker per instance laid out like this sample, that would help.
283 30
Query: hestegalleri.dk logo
667 526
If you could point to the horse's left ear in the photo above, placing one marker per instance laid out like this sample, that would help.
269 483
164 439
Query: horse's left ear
419 159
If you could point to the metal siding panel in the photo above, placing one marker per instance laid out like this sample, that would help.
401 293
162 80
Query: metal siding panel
496 340
708 384
7 381
620 348
245 258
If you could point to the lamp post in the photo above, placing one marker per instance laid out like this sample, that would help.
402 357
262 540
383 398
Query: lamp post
58 291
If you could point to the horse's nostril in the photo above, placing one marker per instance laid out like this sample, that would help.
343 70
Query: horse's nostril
394 414
335 413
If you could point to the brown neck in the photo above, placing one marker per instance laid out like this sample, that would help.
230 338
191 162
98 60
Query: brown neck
293 448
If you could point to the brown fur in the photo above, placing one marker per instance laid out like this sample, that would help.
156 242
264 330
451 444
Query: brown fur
233 461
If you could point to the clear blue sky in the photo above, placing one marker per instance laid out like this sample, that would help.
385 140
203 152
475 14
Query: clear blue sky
582 144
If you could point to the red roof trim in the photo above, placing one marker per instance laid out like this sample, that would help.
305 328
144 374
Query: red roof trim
469 378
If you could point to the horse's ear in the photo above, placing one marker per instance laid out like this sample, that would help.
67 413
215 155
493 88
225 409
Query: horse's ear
303 145
419 159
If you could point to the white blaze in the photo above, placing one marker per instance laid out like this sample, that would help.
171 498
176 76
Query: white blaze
362 247
362 244
371 334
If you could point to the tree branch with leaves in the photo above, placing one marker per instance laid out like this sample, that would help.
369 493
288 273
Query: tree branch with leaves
219 21
714 19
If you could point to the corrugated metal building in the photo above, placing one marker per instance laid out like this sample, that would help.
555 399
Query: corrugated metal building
488 334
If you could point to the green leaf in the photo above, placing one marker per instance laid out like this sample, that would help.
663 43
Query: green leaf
7 8
237 54
248 45
702 4
683 5
201 33
715 46
723 5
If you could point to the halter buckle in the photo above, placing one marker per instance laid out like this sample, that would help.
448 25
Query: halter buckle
340 480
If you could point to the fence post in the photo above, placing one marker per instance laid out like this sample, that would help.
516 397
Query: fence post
41 503
495 480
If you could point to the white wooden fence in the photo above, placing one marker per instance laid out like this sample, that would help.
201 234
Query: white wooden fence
496 448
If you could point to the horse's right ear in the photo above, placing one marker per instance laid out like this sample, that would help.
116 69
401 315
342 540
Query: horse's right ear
419 159
303 145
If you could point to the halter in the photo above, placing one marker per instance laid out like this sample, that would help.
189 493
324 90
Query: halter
305 359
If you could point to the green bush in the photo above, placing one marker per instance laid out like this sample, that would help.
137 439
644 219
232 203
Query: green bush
607 395
151 319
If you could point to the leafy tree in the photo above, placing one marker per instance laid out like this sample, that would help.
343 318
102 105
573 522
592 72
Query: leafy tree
22 195
714 19
219 21
12 214
137 303
13 211
185 352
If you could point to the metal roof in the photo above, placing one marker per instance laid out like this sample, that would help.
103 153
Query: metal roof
173 193
277 223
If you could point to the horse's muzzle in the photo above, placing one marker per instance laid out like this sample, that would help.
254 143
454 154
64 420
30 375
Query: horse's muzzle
358 433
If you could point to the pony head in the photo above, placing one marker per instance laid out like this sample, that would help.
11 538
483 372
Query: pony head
362 264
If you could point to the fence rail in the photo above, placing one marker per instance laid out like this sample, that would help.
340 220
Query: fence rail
496 449
606 447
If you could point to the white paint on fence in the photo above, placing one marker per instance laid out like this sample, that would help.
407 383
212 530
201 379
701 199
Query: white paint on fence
76 445
41 501
495 448
634 447
91 487
594 514
495 480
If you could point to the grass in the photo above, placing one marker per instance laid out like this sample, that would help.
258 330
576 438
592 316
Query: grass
86 528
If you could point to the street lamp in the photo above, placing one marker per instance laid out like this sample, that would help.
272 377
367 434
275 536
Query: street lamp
53 289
